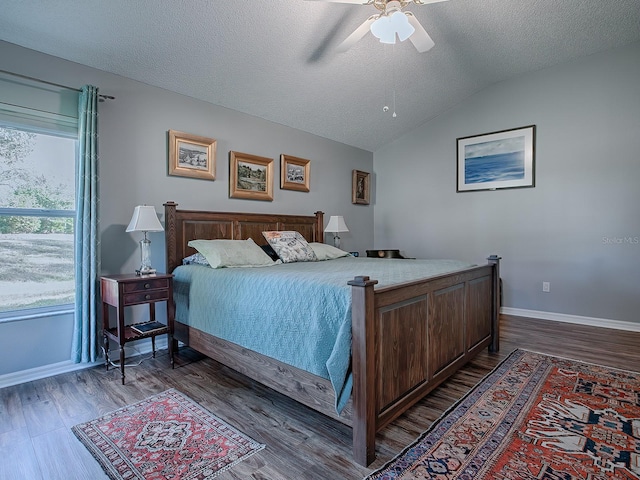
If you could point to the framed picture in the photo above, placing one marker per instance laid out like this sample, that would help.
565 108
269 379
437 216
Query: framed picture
360 187
294 173
192 156
496 160
250 176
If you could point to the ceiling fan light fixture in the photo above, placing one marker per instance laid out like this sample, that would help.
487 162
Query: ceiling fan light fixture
386 27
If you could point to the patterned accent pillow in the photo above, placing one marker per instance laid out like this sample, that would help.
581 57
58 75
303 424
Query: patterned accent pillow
290 246
268 249
195 259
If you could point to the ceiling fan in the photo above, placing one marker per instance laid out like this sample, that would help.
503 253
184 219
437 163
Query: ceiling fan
389 23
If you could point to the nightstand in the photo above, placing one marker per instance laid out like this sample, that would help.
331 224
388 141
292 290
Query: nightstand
126 290
384 254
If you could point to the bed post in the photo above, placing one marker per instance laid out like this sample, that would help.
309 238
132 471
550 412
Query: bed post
319 233
495 304
170 234
364 419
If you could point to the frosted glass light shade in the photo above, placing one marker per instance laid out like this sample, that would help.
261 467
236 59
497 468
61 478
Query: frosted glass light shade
386 27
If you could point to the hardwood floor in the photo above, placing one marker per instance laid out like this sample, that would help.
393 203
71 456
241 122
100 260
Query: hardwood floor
35 418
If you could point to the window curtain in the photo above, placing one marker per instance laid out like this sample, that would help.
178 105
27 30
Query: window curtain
87 243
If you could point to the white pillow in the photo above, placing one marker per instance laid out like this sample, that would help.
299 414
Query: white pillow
232 253
327 252
290 246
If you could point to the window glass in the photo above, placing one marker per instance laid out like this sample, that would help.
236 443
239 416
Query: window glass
37 201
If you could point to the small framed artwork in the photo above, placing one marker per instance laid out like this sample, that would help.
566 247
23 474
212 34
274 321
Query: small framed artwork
294 173
192 156
360 187
250 176
497 160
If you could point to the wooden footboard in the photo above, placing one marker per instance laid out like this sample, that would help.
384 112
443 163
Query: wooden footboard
407 338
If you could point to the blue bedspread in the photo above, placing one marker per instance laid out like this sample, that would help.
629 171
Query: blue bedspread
297 313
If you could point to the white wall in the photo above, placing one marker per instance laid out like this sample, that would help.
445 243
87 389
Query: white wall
586 198
133 148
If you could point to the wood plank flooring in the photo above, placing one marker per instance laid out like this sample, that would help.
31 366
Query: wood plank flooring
36 442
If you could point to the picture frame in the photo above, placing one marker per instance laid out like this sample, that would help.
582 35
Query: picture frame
192 155
360 187
496 160
294 173
250 176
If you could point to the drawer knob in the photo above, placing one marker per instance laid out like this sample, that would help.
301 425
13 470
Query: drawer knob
147 296
147 285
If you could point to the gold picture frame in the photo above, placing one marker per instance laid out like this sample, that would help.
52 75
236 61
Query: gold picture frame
294 173
360 188
250 176
192 156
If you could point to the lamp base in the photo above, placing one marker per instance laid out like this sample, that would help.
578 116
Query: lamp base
145 272
145 254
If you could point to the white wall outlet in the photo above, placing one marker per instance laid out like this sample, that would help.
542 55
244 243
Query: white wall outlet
546 287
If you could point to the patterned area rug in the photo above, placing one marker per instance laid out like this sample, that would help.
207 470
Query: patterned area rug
165 436
534 417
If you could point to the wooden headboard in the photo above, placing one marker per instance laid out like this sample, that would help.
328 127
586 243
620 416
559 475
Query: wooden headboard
182 226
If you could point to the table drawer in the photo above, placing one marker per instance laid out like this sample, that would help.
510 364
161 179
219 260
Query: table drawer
149 284
144 297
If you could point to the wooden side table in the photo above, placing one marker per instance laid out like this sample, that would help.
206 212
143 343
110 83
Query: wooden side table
384 254
129 289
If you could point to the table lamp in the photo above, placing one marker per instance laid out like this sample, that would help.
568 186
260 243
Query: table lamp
145 220
336 225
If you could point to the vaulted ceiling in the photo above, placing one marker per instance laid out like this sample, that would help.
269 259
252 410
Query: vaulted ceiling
277 59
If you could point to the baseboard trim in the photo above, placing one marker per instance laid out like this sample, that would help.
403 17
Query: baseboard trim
23 376
562 317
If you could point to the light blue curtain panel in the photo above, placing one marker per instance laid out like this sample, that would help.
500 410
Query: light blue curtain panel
87 243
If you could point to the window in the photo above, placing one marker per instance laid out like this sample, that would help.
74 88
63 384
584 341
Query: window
37 210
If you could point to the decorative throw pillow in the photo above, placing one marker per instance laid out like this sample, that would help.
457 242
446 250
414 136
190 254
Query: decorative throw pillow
195 259
268 249
290 246
232 253
327 252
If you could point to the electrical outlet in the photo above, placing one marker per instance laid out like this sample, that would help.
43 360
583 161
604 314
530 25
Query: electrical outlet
546 287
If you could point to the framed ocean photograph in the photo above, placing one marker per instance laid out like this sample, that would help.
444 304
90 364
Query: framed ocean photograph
497 160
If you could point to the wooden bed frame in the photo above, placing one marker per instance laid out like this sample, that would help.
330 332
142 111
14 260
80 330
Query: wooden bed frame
407 338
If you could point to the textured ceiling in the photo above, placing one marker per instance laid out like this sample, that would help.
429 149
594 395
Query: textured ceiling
276 59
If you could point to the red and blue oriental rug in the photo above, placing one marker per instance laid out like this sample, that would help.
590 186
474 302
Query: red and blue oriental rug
534 417
164 436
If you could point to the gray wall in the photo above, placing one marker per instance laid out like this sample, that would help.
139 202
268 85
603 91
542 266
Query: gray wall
579 228
133 171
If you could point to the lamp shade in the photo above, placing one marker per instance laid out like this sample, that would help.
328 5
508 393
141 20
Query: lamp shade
336 224
145 219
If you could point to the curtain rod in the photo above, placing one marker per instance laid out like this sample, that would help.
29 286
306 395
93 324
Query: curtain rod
26 77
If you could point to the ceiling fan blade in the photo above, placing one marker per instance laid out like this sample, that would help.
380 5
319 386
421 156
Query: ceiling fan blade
358 33
424 2
420 38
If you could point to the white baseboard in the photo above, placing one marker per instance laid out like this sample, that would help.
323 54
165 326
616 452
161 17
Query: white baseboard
562 317
141 347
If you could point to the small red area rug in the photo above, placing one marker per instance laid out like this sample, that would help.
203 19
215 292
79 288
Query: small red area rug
534 417
165 436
